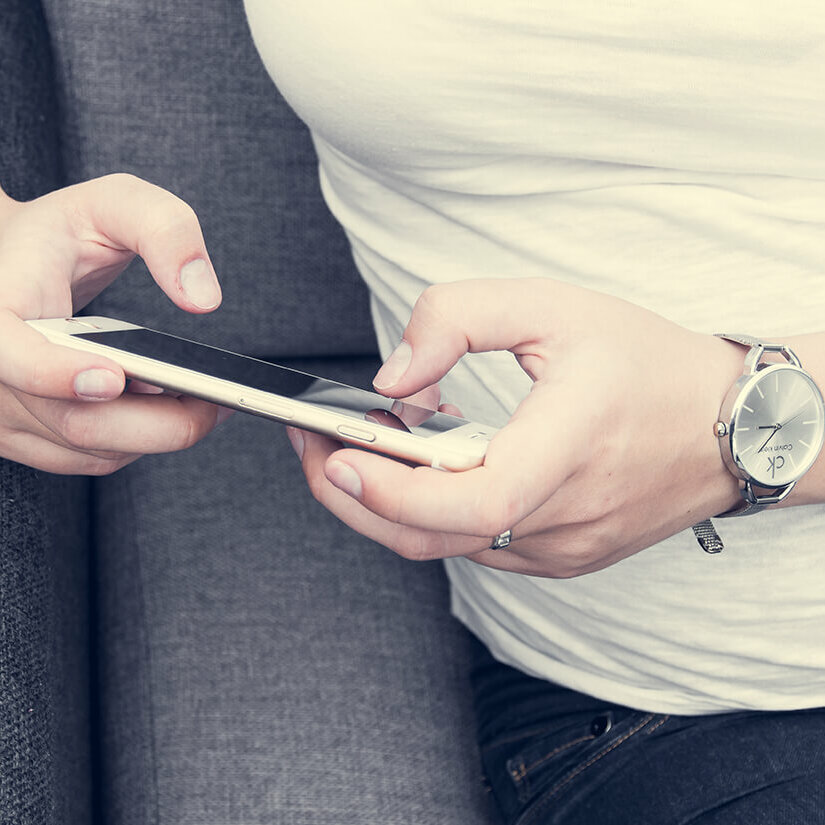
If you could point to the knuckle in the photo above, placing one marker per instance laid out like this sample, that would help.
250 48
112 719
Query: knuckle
170 219
498 514
415 547
99 467
38 380
316 485
78 427
431 302
122 179
190 432
184 432
584 554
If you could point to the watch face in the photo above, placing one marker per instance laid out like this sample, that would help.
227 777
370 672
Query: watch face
777 426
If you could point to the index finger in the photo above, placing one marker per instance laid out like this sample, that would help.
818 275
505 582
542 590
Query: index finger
160 227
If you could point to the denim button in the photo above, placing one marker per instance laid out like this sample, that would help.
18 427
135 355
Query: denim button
601 724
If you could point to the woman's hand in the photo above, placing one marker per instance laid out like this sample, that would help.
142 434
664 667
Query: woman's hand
611 451
56 254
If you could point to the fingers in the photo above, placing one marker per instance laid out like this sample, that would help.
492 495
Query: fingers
449 320
56 253
165 232
528 554
525 465
135 215
418 408
428 398
409 542
64 248
42 454
131 425
37 367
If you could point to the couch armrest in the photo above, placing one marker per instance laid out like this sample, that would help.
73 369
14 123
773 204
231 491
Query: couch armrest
45 772
30 160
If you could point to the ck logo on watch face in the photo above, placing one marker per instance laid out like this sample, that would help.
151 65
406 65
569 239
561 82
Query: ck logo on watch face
775 463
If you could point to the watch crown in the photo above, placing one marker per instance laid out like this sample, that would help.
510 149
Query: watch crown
720 429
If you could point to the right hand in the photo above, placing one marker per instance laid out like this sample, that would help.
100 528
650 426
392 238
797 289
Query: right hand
56 253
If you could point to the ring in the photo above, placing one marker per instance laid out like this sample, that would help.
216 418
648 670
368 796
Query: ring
502 540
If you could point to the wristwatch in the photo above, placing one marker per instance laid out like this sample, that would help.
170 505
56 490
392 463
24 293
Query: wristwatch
771 429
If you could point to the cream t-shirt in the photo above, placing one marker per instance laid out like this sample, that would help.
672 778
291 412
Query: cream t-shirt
672 154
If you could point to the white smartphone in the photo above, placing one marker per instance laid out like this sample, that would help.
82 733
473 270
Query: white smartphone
355 416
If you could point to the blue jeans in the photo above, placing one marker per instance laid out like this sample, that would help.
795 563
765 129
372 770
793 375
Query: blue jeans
552 755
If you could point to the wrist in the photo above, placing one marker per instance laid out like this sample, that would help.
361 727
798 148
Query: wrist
723 366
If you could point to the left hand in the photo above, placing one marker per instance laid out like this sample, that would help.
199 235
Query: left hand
611 451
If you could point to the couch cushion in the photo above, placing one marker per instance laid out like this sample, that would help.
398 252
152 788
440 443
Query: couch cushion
174 91
263 663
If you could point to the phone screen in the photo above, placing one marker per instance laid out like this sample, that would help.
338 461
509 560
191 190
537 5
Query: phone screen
262 375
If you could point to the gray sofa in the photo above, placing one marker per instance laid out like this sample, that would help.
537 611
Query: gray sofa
194 639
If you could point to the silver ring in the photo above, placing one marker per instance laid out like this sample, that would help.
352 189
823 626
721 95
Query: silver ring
502 540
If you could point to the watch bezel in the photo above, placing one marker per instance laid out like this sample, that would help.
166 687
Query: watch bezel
730 413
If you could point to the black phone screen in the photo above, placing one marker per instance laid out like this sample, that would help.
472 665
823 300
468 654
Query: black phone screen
267 376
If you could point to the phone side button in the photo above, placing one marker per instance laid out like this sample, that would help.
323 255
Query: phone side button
355 432
265 408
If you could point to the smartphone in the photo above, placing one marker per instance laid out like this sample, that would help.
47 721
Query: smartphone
354 416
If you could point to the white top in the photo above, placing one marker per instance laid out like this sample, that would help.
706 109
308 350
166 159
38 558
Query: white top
672 154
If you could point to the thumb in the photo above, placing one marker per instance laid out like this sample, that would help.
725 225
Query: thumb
33 365
449 320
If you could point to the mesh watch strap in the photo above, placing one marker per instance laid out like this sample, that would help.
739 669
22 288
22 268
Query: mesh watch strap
737 338
707 537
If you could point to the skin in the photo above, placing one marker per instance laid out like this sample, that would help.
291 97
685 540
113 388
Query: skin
56 253
611 452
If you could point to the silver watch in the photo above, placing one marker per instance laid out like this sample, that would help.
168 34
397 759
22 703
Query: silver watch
771 429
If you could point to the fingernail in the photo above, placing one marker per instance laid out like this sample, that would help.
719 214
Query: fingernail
200 285
97 385
345 478
296 439
394 367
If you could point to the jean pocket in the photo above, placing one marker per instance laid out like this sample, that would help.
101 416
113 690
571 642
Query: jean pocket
551 763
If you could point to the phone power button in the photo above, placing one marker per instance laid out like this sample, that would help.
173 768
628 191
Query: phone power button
356 433
266 407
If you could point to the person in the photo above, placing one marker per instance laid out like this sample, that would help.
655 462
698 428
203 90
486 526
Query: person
594 190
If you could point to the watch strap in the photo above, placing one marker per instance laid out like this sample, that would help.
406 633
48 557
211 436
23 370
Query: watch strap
737 338
757 348
707 537
745 508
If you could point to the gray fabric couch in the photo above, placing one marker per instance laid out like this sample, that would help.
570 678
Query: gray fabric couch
193 639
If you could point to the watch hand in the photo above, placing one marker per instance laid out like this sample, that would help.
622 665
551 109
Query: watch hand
776 429
795 416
